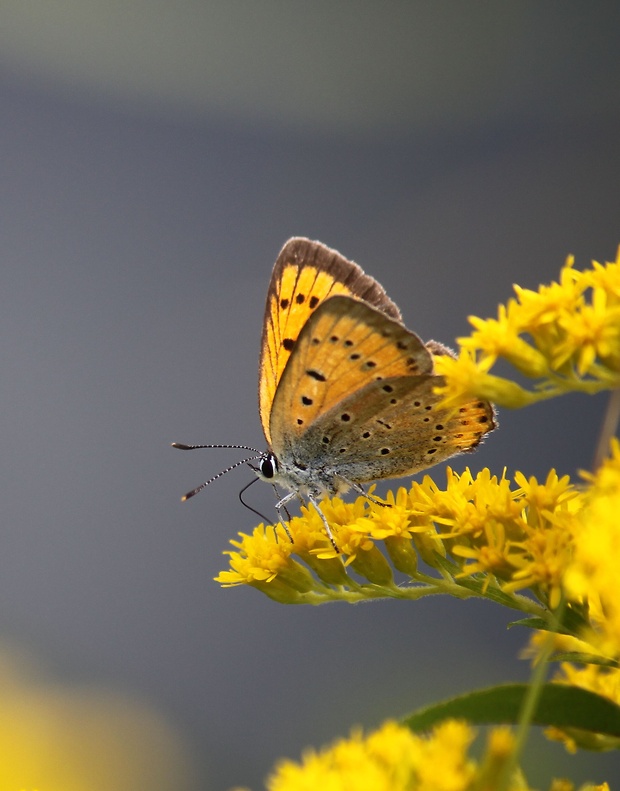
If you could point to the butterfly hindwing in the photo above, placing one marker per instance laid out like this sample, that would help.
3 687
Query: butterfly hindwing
305 274
391 428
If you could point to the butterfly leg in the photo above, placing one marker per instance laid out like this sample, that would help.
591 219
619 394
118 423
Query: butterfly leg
288 516
360 490
325 523
282 504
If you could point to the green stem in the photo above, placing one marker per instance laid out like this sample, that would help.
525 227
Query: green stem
429 586
608 429
557 385
530 703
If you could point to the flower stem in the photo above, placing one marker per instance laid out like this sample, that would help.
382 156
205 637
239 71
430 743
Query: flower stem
528 709
608 429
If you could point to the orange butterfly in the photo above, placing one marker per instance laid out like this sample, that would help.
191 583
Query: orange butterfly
346 391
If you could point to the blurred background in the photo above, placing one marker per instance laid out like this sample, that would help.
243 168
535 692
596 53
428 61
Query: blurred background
154 157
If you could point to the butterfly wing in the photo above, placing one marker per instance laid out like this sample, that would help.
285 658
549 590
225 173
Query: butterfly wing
305 274
395 428
344 345
357 399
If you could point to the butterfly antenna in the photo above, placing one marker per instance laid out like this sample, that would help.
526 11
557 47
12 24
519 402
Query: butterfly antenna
181 446
215 477
248 461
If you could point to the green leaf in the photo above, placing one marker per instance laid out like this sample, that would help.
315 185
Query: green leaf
560 705
580 658
531 623
572 624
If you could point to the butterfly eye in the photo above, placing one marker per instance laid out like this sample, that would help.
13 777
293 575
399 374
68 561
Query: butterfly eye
268 466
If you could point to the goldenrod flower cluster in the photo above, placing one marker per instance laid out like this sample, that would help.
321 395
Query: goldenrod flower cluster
592 580
479 535
565 337
394 759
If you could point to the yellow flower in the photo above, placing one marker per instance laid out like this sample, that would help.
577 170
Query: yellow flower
395 519
540 562
393 758
390 759
466 377
605 479
265 563
593 331
476 535
342 518
565 336
501 338
544 497
260 558
606 278
489 558
470 506
537 309
593 576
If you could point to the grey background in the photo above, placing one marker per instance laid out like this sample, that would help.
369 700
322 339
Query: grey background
154 157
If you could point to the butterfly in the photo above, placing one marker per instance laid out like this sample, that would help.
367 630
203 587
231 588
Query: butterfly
346 392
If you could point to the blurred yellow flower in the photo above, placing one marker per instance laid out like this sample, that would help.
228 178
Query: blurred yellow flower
393 758
593 576
390 759
58 738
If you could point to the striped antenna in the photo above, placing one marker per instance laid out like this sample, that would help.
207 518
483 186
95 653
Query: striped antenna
195 491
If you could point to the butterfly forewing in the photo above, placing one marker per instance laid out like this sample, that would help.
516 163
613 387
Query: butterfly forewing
344 346
305 274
